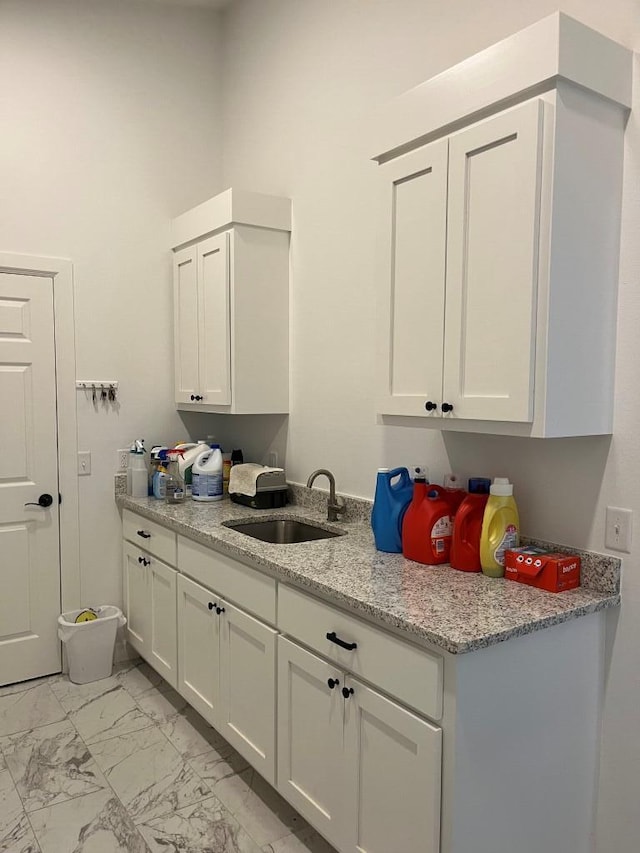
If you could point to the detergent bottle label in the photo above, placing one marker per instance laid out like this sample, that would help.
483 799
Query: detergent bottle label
508 541
441 534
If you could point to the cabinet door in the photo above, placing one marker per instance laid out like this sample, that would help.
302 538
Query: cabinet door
199 648
393 772
136 598
413 318
492 266
214 321
185 319
310 723
163 648
248 688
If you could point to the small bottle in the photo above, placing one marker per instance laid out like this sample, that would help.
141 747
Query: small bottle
174 482
500 527
226 472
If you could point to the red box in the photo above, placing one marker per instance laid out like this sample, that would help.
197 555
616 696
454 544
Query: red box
542 569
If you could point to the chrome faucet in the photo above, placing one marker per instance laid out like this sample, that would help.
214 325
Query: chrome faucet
335 505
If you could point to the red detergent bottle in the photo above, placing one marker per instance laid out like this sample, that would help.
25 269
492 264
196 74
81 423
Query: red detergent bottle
426 529
465 544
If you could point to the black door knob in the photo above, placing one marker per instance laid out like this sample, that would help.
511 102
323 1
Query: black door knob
429 406
333 682
193 397
219 610
198 397
347 691
44 501
447 407
211 605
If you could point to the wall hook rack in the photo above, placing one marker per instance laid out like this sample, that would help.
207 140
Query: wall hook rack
103 390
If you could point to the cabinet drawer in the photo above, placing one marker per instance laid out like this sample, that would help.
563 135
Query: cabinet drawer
152 537
411 674
231 579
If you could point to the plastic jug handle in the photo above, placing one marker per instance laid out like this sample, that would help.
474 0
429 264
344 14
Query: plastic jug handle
435 488
403 473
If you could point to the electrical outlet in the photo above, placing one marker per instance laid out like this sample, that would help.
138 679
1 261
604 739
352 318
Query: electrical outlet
84 463
618 529
122 459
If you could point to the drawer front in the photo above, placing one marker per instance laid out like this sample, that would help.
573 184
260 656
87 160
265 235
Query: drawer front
152 537
231 579
407 672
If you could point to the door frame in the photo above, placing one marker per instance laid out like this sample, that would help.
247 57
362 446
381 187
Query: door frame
60 271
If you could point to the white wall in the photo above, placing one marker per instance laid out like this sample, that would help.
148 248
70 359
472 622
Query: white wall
109 126
300 79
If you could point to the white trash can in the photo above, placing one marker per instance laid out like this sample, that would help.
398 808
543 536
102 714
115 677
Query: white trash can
90 645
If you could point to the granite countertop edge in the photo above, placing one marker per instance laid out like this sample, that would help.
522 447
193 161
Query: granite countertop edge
297 566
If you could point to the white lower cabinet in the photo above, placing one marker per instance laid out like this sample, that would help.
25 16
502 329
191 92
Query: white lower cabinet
392 762
227 671
248 687
361 768
199 649
150 602
310 715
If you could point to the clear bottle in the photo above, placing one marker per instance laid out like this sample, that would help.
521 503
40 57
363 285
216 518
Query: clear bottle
174 484
500 527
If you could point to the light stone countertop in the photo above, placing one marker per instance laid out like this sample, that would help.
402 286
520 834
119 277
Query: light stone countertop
457 611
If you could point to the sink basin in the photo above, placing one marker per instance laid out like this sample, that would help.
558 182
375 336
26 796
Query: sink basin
284 531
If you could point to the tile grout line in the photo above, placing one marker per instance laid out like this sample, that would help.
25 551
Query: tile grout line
110 787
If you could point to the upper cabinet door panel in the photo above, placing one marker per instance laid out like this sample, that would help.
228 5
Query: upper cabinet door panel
492 271
214 320
416 193
185 309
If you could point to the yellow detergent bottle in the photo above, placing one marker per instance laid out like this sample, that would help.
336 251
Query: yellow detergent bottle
500 527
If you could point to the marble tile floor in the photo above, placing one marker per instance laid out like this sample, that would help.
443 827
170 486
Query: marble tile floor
124 765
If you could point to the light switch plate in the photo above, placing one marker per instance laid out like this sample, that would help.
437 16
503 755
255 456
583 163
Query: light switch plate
618 526
84 463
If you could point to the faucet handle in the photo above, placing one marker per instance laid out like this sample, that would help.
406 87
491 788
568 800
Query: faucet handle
336 509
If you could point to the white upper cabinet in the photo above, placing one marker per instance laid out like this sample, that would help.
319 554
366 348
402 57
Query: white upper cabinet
501 237
413 343
231 305
492 263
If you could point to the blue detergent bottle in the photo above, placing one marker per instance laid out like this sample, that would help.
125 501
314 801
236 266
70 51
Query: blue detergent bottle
394 491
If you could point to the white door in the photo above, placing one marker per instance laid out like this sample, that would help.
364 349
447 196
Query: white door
248 688
310 724
136 597
199 648
163 645
492 266
29 535
185 311
214 320
392 761
415 248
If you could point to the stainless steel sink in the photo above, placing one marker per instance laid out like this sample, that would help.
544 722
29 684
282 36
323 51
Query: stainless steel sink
284 531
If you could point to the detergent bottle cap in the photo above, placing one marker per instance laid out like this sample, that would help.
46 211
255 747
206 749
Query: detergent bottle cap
501 487
383 470
452 481
420 472
479 485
